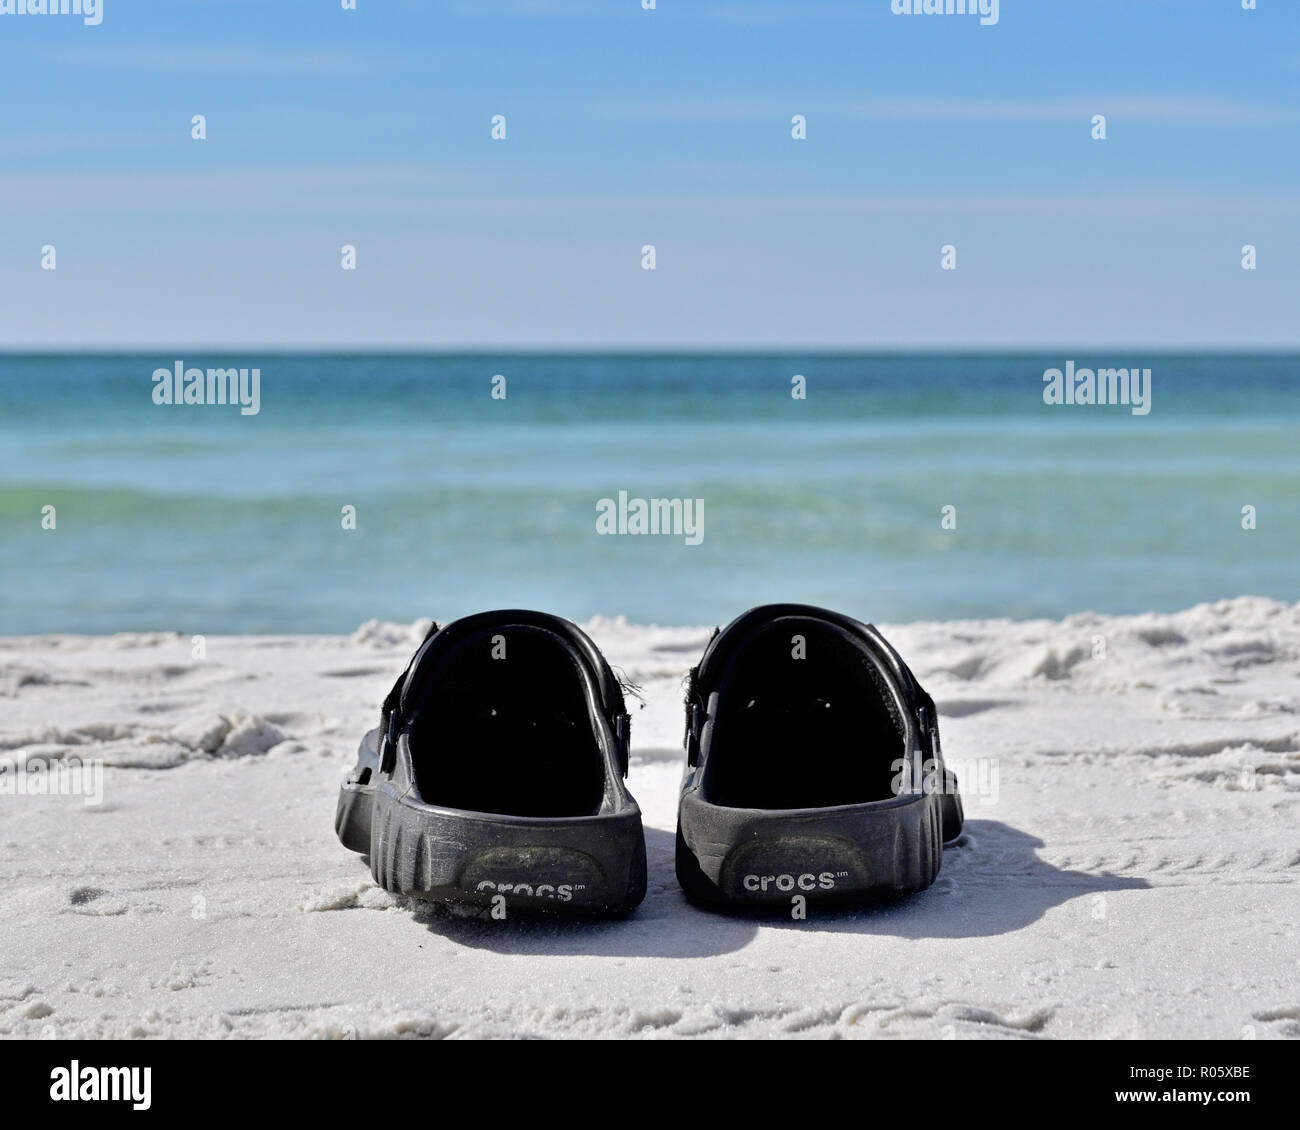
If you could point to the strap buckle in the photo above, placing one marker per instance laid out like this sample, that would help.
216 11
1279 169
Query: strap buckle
623 733
697 717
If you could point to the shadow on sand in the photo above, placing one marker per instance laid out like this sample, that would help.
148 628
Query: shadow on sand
992 883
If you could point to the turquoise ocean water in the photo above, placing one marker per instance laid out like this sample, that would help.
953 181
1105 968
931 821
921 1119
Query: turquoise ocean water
201 519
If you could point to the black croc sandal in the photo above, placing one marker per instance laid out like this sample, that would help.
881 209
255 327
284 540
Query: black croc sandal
497 770
813 766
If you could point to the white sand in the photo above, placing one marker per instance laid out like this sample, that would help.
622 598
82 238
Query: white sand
1136 873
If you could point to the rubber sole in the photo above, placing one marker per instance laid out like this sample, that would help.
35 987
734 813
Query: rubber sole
845 855
577 865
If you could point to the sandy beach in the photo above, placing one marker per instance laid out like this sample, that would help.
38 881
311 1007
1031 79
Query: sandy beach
1130 867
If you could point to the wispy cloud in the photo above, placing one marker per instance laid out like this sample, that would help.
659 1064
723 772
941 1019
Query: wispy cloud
493 8
727 11
241 59
1133 107
1141 108
53 144
330 189
425 192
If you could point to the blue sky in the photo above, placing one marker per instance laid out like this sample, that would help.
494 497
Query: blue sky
672 127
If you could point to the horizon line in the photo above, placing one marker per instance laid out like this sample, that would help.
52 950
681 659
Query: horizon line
642 350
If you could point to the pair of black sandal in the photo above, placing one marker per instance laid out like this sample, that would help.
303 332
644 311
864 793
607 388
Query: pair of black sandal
496 775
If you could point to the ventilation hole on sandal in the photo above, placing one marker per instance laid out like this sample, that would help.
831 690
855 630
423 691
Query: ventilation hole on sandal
364 778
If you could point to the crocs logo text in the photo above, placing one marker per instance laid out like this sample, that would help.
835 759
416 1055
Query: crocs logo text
805 882
563 892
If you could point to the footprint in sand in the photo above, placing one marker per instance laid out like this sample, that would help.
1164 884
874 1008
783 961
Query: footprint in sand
82 895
